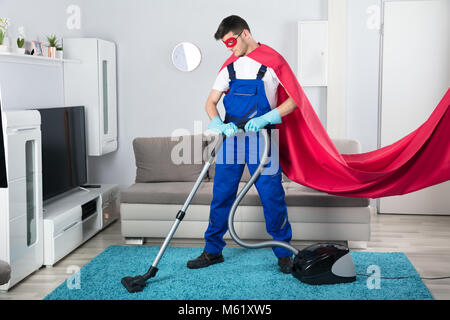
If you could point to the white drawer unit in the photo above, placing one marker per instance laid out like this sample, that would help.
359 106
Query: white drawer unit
62 234
21 224
74 217
92 84
64 226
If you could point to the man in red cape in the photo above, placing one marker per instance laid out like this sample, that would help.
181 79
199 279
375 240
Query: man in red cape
306 153
309 157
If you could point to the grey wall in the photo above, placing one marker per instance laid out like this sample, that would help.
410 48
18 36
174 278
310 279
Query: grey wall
26 86
362 73
362 76
154 98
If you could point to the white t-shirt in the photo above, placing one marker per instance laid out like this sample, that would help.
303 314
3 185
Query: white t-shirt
247 68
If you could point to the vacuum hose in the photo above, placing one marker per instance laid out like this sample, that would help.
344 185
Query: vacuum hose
265 244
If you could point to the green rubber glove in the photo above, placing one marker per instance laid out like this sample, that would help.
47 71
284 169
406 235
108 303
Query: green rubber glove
228 129
256 124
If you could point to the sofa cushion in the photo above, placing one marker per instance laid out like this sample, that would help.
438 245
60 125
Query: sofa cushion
177 193
159 159
212 171
297 195
210 142
166 193
344 146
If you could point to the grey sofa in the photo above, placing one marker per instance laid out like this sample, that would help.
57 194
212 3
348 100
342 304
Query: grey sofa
149 206
5 272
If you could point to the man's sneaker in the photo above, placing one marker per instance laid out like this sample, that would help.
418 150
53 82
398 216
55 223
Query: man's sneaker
205 260
285 264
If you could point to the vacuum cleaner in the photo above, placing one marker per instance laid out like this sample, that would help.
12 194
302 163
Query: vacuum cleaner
318 264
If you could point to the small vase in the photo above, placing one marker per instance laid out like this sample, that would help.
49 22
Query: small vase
52 52
59 54
20 50
4 48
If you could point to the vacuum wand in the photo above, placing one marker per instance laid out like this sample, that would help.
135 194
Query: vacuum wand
138 283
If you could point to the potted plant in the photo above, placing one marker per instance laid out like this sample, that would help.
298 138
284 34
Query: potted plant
21 40
59 52
52 45
3 27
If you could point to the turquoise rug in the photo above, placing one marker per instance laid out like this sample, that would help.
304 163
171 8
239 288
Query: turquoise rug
245 275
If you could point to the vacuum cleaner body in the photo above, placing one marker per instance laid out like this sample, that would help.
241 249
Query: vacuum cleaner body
324 263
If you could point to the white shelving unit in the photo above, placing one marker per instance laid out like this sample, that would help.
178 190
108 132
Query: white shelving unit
29 59
93 84
21 243
33 232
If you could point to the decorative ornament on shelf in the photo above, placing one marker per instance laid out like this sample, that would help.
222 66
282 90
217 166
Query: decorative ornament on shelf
21 40
4 42
53 46
59 52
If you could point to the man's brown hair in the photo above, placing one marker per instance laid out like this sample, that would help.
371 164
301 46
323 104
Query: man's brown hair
232 23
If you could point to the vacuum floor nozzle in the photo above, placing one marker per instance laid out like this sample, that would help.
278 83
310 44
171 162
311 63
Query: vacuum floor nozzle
138 283
134 284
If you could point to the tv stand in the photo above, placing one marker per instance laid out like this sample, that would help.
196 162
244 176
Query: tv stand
84 189
72 219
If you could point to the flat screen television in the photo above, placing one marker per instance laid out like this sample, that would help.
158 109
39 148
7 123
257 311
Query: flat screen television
63 142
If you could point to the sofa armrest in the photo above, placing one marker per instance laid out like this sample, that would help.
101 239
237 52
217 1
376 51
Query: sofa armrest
347 146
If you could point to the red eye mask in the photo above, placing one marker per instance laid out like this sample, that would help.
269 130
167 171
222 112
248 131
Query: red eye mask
232 41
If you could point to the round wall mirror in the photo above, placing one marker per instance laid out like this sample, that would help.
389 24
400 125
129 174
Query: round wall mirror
186 56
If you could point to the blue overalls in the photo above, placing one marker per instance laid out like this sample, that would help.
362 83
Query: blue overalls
246 99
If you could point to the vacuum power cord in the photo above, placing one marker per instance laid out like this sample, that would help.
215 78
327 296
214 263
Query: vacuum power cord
405 277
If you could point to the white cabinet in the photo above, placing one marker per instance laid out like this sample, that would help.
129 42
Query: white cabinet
21 221
312 53
92 83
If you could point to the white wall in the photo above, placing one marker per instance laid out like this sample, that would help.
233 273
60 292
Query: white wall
154 98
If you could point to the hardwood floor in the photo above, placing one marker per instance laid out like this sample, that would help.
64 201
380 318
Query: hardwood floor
424 239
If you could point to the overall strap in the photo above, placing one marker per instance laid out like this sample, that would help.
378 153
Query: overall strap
261 72
231 71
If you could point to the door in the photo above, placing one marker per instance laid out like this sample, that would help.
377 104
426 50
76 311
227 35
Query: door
312 53
3 178
415 76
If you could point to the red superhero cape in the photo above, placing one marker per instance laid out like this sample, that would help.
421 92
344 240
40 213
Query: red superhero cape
309 157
